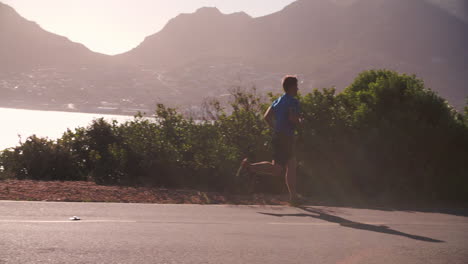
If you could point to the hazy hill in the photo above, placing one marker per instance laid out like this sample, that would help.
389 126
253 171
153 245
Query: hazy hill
458 8
24 45
325 42
205 33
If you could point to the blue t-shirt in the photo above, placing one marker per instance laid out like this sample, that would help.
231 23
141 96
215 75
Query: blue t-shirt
281 108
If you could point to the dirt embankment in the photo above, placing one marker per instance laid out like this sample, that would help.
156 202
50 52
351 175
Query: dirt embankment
27 190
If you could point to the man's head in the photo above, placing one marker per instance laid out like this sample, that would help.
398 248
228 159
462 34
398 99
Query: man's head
290 85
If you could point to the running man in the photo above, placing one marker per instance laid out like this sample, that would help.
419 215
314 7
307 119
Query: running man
283 117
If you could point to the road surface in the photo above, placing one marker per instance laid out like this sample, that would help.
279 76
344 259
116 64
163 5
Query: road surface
41 232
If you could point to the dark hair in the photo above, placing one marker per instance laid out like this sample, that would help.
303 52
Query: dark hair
288 81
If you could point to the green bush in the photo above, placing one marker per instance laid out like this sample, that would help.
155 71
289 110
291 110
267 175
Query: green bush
41 159
410 141
385 137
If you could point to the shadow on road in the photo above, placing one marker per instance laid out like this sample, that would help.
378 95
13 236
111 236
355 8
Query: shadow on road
322 215
456 211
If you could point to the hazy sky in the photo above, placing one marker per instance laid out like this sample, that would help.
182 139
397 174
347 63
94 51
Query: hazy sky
115 26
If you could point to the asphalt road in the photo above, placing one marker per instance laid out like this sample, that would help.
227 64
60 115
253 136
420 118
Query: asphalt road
41 232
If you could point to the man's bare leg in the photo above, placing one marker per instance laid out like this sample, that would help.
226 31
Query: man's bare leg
291 178
265 167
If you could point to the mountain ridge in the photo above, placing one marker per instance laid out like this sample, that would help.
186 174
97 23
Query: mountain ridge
48 49
203 53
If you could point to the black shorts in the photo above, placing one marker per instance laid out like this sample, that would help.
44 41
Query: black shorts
283 148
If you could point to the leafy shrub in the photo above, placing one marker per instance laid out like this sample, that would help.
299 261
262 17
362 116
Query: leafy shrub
41 159
385 137
410 141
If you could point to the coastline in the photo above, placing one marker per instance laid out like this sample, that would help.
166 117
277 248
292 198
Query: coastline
50 123
66 110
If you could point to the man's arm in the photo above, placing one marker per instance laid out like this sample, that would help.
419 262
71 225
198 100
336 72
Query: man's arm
268 116
293 115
